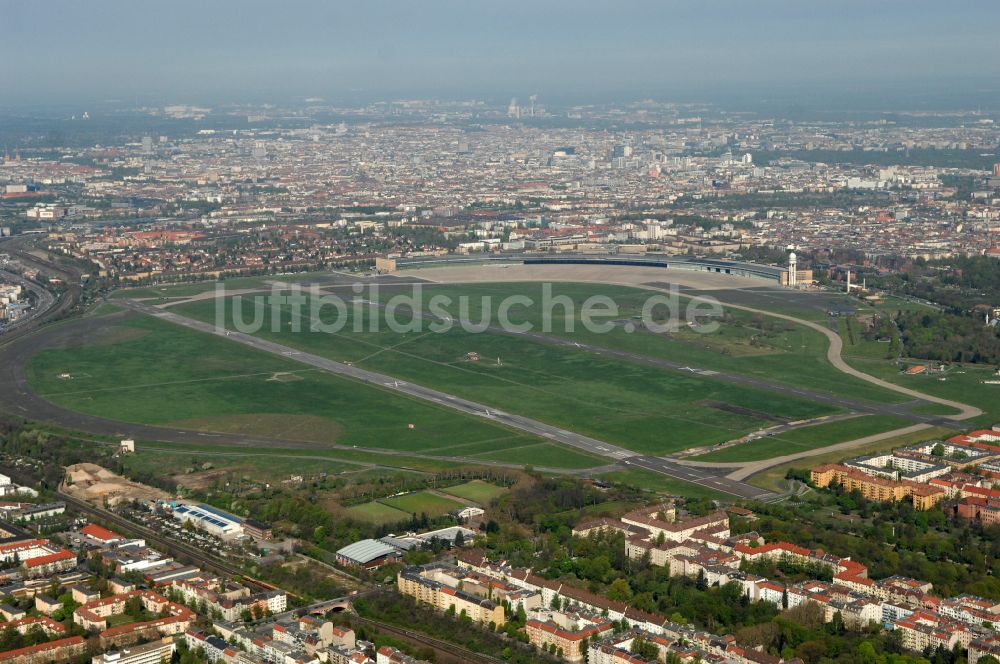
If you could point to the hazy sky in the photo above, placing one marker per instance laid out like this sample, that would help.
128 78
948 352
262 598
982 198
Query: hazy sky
213 50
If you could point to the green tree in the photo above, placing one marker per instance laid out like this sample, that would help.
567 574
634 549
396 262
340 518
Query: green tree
619 591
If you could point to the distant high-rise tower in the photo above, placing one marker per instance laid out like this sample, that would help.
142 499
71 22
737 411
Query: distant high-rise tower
793 270
531 108
513 110
147 145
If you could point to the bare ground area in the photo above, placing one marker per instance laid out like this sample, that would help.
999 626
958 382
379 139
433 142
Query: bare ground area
94 484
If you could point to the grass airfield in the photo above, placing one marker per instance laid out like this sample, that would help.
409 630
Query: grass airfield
182 378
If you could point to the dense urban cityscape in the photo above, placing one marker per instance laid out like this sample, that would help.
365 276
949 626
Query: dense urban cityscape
390 333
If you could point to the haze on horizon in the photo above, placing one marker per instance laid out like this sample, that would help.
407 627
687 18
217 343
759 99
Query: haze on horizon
65 51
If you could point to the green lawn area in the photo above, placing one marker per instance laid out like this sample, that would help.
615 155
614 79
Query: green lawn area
477 491
962 383
160 373
806 438
782 351
647 479
546 455
421 502
377 513
172 291
626 403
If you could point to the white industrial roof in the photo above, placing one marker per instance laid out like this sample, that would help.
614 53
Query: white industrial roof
366 551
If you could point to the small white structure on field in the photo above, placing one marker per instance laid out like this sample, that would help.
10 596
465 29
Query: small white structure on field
126 446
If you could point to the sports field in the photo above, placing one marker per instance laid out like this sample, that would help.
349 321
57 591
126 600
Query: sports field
422 502
377 513
477 491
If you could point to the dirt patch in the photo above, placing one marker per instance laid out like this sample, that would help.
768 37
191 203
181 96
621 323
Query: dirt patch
304 428
94 484
202 480
285 377
746 412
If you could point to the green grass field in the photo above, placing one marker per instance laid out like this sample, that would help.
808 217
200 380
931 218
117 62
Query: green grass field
477 491
962 383
782 351
171 374
644 408
806 438
421 502
260 466
626 403
377 513
305 460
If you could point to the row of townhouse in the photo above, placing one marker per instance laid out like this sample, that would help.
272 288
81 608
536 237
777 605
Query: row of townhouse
617 649
60 650
926 472
226 598
897 602
878 487
37 557
22 626
294 640
567 633
442 586
171 617
579 601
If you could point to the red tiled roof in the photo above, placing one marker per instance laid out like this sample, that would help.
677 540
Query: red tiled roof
51 558
100 533
16 655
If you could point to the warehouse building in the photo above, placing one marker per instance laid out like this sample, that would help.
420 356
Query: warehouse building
368 553
211 520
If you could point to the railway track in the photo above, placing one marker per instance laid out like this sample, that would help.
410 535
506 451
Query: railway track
177 549
209 563
451 652
61 304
